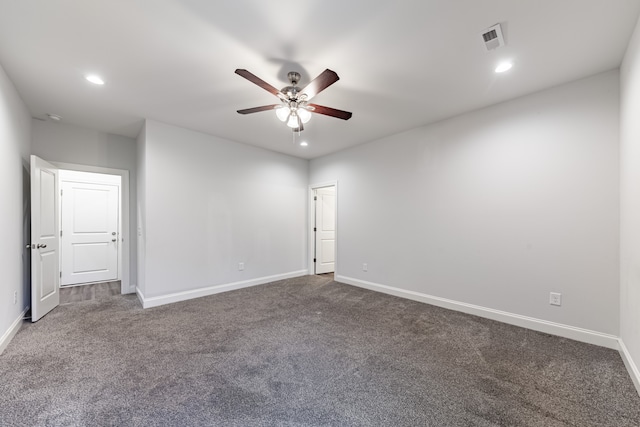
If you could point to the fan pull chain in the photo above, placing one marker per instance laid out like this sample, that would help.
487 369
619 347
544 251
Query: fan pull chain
293 135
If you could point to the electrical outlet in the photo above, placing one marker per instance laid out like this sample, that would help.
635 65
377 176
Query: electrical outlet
240 266
555 298
365 267
15 297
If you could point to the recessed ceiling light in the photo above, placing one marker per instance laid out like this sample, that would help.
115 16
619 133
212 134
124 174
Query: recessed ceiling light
304 143
504 66
54 117
96 80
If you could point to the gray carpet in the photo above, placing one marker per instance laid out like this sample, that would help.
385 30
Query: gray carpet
303 352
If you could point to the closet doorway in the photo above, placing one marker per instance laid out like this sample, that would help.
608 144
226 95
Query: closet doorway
323 231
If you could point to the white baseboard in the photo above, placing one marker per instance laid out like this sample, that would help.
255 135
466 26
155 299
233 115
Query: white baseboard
140 296
566 331
632 368
210 290
12 331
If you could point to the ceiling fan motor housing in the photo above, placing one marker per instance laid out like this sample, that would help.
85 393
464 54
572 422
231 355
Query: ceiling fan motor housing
292 91
294 77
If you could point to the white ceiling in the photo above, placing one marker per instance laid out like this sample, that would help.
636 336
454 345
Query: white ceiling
401 64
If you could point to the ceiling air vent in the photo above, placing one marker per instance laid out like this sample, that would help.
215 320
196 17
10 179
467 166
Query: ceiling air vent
492 38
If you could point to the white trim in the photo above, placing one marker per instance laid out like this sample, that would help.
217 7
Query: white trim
311 217
210 290
566 331
140 296
12 331
126 280
632 368
81 177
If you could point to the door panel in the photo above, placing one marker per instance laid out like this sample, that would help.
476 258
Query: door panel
328 213
325 230
47 203
45 278
90 257
90 209
327 255
90 239
48 284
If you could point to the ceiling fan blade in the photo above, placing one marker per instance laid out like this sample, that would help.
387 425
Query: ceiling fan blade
320 83
328 111
258 81
258 109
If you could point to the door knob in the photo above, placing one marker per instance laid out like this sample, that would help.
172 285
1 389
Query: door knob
113 233
41 246
113 240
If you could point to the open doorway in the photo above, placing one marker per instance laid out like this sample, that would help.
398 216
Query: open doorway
323 229
123 238
45 244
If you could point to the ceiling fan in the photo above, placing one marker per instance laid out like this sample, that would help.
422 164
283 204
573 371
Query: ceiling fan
294 108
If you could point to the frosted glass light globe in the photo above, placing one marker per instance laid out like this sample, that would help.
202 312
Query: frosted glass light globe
304 115
293 121
282 113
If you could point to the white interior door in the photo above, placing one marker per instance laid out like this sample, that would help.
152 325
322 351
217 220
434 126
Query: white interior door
45 295
325 229
90 231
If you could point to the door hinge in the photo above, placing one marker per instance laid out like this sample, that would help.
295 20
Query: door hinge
315 197
314 260
61 192
61 274
60 233
315 229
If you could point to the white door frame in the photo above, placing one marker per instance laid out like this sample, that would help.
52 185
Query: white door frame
124 253
311 269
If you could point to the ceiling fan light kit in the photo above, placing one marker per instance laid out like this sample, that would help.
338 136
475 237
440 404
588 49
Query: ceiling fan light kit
294 108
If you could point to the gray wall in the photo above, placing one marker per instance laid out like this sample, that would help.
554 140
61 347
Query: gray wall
494 208
630 203
15 140
211 203
59 142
